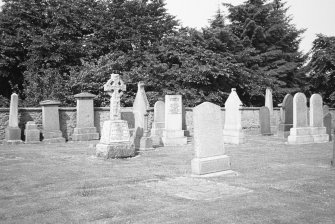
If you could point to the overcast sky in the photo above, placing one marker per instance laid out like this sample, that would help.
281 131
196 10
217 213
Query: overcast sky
318 16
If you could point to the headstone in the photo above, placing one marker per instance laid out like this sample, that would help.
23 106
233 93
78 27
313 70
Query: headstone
115 137
158 124
50 122
13 132
269 101
140 106
325 110
146 142
232 132
264 121
300 132
85 130
327 121
208 143
286 116
173 134
32 133
318 130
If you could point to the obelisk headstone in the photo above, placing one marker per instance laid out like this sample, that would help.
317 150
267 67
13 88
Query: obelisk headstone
140 106
300 132
85 130
232 132
318 130
13 132
158 124
173 134
269 101
50 122
264 121
32 133
115 137
208 143
286 116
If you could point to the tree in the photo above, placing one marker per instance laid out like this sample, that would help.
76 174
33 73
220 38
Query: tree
321 68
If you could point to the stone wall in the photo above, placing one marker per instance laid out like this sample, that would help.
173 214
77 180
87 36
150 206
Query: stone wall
250 119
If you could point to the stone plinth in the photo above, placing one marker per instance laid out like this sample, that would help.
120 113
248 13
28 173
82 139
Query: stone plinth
173 134
85 129
208 142
13 132
50 121
32 133
300 136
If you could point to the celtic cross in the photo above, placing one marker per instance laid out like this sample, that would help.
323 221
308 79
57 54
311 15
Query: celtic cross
115 88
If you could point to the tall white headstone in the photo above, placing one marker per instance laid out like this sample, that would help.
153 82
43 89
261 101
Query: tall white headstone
115 137
13 132
173 134
208 143
232 132
158 124
318 130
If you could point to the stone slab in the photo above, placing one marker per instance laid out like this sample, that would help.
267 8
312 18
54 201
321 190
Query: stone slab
32 135
12 134
115 150
85 137
54 140
210 164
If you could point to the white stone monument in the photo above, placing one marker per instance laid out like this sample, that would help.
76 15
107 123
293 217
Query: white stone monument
173 134
232 132
269 101
318 130
158 124
115 137
85 130
300 132
31 132
13 132
208 142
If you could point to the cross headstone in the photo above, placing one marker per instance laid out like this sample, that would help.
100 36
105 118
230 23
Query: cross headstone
264 121
286 117
115 88
318 130
115 137
158 124
13 132
208 143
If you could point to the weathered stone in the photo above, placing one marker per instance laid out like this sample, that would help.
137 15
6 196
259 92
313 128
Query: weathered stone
286 118
325 109
13 132
173 134
158 124
300 133
318 131
232 132
140 106
85 129
32 133
115 137
269 101
264 121
50 121
208 142
146 142
327 121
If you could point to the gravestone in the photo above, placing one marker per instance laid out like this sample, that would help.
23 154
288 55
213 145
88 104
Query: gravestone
140 106
208 143
32 133
115 137
158 124
85 130
264 121
327 121
286 116
318 130
13 132
50 122
173 134
146 142
269 102
300 132
325 110
232 132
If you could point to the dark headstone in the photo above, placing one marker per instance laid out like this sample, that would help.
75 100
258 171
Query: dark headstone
264 121
286 118
327 122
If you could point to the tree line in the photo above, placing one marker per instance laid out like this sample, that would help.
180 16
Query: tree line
56 49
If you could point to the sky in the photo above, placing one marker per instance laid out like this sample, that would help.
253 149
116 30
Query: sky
317 16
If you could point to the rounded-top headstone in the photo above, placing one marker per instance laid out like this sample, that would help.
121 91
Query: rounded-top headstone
159 111
49 102
287 106
299 110
84 95
316 111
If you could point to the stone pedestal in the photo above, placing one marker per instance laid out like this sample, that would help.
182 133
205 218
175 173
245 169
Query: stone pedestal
32 134
300 136
13 135
50 121
319 134
233 136
115 140
212 164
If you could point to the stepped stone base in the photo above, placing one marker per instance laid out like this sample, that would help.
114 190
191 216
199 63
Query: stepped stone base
208 165
13 135
85 134
300 136
115 150
53 137
233 136
174 138
319 134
